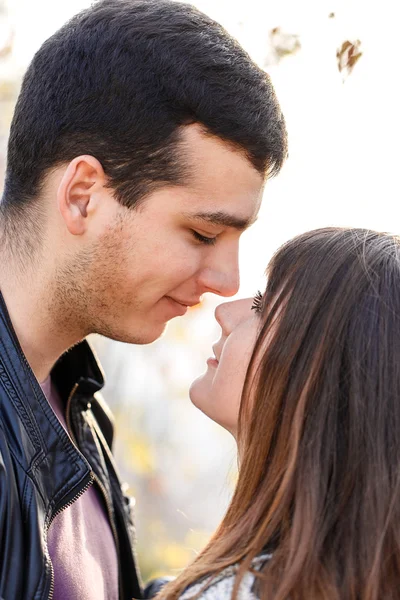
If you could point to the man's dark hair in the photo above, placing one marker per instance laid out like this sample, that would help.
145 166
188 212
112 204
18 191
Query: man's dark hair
119 80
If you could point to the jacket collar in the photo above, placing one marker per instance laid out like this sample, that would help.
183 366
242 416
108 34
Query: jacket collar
39 441
78 365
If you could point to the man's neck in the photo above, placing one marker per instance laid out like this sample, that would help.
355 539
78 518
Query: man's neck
29 302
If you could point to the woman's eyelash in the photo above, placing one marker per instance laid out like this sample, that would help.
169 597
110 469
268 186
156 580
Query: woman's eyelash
208 241
257 302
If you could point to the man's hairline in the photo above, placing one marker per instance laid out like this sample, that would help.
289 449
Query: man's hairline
155 185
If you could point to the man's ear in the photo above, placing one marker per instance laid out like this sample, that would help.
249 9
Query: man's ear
76 194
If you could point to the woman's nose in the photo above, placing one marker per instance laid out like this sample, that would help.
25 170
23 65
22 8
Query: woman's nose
230 314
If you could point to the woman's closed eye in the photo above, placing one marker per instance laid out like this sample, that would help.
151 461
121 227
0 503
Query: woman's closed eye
257 303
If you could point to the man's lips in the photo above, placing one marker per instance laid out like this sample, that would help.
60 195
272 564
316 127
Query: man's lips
186 303
181 306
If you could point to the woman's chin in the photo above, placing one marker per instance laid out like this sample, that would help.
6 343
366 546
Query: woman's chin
196 391
200 394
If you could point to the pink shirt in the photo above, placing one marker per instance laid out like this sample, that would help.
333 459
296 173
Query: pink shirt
80 540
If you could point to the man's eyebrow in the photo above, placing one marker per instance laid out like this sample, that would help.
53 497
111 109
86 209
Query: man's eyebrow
223 219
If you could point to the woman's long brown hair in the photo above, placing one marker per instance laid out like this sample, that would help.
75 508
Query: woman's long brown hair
319 428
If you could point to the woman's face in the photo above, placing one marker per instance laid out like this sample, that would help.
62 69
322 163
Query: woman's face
218 391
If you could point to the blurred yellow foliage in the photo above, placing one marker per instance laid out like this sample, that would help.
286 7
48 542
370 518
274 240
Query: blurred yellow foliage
140 455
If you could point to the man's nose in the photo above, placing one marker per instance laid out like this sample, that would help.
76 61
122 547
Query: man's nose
221 279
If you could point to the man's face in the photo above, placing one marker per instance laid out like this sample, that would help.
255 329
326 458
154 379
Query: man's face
149 264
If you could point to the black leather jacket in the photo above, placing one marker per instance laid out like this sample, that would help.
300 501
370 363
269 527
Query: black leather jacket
42 472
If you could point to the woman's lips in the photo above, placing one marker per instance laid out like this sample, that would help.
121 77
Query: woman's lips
212 362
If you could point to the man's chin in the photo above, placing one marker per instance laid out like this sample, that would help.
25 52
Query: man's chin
138 337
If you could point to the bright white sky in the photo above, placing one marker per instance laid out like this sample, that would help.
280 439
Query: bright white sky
343 165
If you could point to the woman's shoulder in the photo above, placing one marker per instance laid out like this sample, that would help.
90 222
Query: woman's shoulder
220 587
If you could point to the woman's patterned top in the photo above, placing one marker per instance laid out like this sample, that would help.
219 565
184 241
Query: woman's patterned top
220 587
